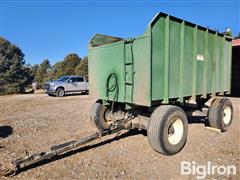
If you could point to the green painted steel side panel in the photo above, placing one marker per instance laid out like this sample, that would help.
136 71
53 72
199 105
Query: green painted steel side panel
210 67
172 59
200 63
158 64
188 62
198 60
142 71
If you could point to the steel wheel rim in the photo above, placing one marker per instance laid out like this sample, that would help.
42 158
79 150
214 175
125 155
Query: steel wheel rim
107 116
175 131
227 114
61 93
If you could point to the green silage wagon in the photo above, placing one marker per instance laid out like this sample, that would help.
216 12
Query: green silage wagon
150 79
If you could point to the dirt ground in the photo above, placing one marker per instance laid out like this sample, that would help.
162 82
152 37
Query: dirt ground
34 122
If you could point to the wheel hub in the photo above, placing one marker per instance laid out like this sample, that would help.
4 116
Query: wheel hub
227 114
171 130
175 131
107 116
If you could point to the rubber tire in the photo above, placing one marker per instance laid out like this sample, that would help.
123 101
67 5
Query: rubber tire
58 92
158 129
216 113
97 116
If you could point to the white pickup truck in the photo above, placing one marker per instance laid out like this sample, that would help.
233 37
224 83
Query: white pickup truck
66 85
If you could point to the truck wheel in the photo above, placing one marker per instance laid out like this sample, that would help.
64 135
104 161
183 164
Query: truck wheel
220 114
167 129
60 92
100 116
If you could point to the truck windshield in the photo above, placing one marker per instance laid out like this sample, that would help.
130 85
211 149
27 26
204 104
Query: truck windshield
63 79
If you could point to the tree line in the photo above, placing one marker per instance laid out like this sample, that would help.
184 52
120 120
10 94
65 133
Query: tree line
71 65
16 76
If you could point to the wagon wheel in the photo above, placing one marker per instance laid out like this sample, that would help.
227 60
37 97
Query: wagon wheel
167 129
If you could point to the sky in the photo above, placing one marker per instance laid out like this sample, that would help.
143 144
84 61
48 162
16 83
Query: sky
49 29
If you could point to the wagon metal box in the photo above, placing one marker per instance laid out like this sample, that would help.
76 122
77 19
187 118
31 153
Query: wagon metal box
173 59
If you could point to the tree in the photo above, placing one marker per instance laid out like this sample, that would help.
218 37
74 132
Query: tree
69 63
43 71
14 76
66 67
55 71
34 69
82 68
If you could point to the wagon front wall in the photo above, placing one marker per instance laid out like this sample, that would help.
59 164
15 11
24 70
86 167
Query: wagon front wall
103 61
129 61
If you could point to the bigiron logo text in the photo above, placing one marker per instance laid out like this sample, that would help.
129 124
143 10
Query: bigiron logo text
201 171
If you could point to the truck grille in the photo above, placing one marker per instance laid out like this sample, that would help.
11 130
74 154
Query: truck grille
47 86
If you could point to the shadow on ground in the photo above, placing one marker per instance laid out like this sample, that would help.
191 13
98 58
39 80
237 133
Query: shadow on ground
133 132
5 131
68 95
77 94
200 117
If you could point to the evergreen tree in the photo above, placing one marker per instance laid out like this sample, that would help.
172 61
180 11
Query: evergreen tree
42 73
82 68
67 66
14 75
